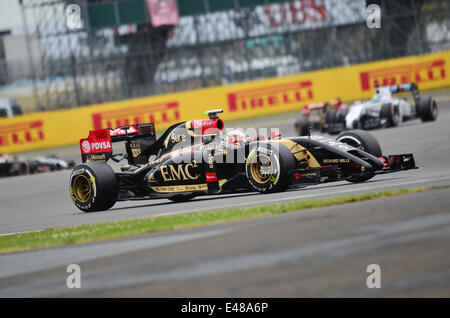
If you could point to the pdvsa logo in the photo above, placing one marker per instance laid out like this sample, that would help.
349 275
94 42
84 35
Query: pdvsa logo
104 145
86 146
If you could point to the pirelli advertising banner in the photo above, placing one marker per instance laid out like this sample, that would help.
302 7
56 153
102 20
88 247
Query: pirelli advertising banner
245 100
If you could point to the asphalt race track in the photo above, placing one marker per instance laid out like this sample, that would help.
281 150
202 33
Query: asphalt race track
321 252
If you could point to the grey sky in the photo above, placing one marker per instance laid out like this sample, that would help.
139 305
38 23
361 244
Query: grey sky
10 16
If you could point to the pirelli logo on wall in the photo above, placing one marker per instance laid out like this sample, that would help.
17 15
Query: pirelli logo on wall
296 93
407 73
240 101
152 113
21 133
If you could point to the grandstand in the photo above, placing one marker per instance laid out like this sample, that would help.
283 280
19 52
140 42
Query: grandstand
118 54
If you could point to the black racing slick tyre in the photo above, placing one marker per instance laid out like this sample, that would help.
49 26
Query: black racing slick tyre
391 114
365 141
302 126
93 187
182 197
331 118
267 167
427 109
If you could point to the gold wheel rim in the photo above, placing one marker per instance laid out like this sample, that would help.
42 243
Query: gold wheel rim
259 169
82 188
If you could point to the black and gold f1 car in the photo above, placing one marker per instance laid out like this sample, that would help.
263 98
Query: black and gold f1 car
12 165
196 158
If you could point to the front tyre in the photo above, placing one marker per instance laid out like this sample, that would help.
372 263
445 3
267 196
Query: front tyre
267 167
365 141
93 187
391 113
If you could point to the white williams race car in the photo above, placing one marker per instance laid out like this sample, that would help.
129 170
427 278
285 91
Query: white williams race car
385 110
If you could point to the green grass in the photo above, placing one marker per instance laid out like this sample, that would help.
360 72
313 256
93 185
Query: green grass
120 229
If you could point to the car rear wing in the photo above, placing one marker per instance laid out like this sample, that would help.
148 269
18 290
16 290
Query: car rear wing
137 138
407 87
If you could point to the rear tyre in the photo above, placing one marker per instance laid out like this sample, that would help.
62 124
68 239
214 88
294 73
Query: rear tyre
391 114
365 141
93 187
427 109
331 117
267 167
182 197
302 126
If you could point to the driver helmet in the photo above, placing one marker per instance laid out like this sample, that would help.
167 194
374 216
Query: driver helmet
336 103
236 137
377 91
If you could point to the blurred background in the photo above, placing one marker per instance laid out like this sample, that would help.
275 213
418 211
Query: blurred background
114 51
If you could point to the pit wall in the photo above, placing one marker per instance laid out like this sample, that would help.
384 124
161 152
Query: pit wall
240 101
